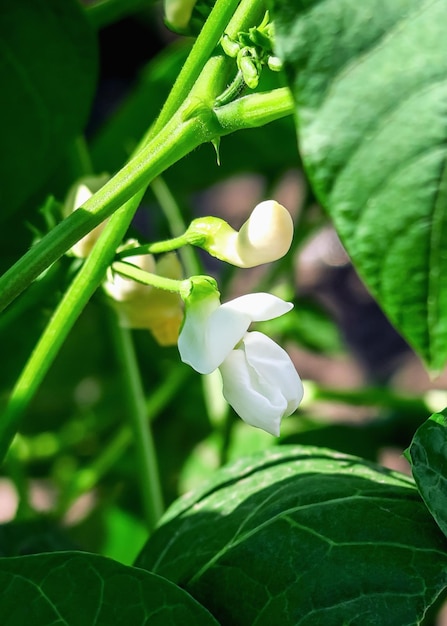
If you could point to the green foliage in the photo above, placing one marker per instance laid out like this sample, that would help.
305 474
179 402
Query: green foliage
368 80
428 456
100 424
304 536
48 69
76 588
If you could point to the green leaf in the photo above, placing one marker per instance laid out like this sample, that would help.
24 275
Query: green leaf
48 65
75 588
370 83
428 457
303 536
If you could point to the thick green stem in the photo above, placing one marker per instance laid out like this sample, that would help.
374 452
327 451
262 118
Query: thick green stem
254 110
223 11
73 302
175 141
146 456
177 136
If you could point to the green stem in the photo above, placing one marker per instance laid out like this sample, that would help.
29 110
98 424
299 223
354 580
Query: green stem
174 141
212 80
199 56
154 248
255 110
146 278
145 449
76 297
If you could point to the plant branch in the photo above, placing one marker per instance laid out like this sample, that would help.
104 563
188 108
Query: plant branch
146 455
175 141
254 110
146 278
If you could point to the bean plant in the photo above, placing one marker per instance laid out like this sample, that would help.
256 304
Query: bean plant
152 388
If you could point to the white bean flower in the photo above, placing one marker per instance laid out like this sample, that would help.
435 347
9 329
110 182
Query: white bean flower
145 307
259 379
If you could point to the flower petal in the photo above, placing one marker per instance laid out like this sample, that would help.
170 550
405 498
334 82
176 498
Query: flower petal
258 307
193 343
261 383
227 325
274 364
210 332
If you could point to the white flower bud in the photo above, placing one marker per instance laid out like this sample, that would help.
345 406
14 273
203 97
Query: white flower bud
265 237
76 198
178 12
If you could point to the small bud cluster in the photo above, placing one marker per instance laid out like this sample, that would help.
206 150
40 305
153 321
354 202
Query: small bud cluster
252 50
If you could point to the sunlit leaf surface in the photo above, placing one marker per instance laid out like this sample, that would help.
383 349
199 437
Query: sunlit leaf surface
303 536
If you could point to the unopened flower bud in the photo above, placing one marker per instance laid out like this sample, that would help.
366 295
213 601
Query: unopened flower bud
274 63
229 46
77 196
178 13
250 68
265 237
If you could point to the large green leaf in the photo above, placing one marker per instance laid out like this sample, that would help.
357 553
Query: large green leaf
303 536
48 63
428 456
74 588
370 83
